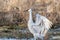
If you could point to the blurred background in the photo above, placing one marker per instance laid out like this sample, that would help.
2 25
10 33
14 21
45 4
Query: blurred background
14 17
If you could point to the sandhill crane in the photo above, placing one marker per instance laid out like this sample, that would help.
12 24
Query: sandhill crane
40 27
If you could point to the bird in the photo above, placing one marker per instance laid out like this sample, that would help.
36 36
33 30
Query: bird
40 27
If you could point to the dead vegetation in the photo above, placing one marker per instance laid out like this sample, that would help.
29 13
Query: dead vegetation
14 14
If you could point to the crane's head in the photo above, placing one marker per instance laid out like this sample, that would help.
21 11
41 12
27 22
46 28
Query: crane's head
30 10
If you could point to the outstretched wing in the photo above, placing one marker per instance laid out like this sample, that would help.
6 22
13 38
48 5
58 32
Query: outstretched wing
43 24
38 26
38 19
47 25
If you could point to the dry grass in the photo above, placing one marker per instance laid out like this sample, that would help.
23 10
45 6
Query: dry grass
14 17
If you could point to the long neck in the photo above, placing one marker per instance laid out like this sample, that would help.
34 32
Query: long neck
30 16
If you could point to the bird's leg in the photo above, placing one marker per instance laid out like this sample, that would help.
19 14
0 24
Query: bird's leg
35 37
42 38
